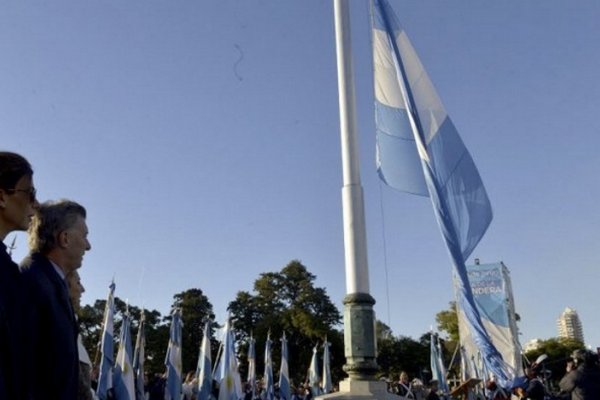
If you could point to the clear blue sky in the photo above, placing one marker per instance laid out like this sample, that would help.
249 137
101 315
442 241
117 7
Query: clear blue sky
203 138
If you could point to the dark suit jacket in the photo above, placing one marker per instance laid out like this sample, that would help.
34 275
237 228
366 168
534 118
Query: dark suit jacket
54 329
14 344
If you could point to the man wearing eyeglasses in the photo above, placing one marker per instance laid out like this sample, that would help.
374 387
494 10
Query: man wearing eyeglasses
58 240
17 206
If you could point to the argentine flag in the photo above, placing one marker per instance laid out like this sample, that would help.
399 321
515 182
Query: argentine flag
251 380
327 383
204 368
419 151
268 378
139 357
284 374
313 374
105 381
123 378
230 385
173 359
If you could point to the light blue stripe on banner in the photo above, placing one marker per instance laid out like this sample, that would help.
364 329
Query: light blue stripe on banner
398 161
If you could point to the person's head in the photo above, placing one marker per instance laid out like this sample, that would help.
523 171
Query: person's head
58 231
532 371
76 289
491 385
189 377
403 377
17 193
584 357
578 356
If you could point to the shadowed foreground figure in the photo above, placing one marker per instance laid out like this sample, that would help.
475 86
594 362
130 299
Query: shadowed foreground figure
582 380
17 206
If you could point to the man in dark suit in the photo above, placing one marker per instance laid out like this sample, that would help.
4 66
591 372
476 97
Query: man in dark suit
17 206
58 241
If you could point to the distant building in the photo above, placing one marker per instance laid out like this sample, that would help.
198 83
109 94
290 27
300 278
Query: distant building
569 325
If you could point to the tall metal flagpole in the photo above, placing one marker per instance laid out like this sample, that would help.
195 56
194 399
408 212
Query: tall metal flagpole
359 318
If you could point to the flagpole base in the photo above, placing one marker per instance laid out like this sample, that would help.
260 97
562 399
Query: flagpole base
360 389
359 337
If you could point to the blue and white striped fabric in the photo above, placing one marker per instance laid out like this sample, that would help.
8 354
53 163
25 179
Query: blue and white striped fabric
105 378
230 387
204 368
139 358
123 376
436 361
173 359
326 383
284 373
268 377
419 151
313 374
251 380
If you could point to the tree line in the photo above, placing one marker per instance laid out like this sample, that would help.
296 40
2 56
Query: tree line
284 301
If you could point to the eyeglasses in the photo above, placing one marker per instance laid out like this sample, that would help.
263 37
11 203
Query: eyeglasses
31 192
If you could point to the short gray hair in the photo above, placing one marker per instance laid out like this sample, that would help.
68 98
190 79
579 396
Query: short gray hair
52 218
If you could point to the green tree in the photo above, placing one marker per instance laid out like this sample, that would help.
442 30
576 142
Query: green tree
447 321
396 354
157 333
287 301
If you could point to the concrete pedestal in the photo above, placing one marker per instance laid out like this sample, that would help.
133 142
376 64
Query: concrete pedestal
359 389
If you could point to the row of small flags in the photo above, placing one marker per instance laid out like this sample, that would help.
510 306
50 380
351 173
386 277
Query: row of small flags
125 376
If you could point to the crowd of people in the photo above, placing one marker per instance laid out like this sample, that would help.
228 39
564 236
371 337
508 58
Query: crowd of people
580 382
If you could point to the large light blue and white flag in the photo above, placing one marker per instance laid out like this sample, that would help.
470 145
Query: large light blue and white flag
123 376
284 373
139 358
204 368
230 387
419 151
268 377
251 380
314 378
105 378
327 384
173 358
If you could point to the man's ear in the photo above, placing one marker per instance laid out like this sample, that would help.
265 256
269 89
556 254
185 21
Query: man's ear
3 195
63 239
